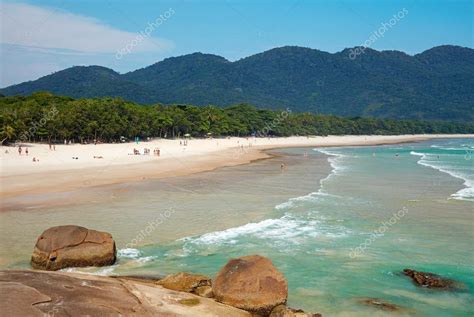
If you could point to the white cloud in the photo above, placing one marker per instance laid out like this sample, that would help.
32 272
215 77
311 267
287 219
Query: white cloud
46 28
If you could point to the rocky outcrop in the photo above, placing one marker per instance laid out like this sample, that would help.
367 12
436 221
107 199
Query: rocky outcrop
381 305
430 280
40 293
251 283
72 246
187 282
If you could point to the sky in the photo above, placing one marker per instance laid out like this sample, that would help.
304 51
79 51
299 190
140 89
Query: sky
44 36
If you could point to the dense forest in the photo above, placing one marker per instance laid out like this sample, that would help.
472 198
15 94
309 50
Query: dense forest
434 85
43 117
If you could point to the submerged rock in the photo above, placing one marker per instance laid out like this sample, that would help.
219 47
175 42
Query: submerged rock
381 304
72 246
251 283
187 282
430 280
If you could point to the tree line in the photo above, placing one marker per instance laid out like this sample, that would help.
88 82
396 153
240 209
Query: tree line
43 117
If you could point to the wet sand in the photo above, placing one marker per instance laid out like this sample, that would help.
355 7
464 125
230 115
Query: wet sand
23 182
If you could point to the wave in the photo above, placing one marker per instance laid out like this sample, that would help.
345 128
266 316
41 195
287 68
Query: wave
417 154
335 160
314 196
463 147
129 253
287 230
337 168
105 271
466 193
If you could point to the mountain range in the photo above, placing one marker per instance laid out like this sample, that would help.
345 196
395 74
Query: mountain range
437 84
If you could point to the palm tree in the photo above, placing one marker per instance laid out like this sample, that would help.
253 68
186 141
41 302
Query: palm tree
6 133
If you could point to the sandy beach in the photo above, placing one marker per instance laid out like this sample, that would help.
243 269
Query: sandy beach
77 166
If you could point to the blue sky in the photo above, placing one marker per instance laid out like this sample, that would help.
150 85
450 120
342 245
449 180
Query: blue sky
43 36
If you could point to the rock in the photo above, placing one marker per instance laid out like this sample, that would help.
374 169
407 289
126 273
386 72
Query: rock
18 299
283 311
430 280
204 291
72 246
58 294
381 304
251 283
185 282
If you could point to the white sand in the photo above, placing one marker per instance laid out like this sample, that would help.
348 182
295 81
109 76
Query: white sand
58 171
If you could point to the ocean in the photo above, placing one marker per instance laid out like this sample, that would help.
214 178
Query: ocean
341 223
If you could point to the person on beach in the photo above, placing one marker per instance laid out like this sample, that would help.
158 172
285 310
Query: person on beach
282 166
19 150
54 147
26 151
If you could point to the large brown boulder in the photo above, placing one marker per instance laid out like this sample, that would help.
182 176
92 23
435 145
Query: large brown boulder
72 246
251 283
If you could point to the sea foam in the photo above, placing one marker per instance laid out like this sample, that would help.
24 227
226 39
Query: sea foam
287 230
463 194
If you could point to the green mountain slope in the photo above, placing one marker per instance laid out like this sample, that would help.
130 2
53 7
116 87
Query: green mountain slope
436 84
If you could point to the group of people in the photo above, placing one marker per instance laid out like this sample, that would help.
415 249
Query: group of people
20 152
147 151
26 151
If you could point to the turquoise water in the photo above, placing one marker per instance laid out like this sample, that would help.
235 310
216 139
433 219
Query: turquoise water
340 223
380 210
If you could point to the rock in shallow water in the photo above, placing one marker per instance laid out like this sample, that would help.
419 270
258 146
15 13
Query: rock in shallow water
430 280
251 283
381 304
72 246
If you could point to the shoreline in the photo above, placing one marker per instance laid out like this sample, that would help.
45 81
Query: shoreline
59 173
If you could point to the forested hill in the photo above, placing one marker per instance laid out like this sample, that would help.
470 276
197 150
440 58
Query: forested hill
47 118
436 84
